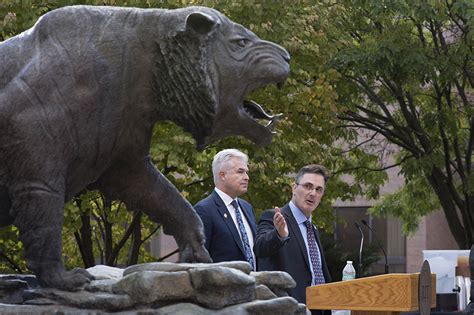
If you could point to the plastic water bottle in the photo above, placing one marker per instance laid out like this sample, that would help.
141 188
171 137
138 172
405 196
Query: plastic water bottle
348 273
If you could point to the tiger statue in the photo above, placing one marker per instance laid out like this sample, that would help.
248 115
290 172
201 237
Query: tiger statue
80 93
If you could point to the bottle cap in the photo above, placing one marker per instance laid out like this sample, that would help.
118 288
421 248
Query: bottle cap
349 261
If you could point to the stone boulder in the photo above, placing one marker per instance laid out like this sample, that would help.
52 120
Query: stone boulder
158 288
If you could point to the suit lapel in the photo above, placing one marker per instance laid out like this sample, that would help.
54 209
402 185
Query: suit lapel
295 230
249 216
227 218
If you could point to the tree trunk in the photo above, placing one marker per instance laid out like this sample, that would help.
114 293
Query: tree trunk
85 245
136 221
449 208
108 236
136 242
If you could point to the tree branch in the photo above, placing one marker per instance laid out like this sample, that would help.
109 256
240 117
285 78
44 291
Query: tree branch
370 169
169 255
391 135
360 144
198 182
125 237
151 233
13 265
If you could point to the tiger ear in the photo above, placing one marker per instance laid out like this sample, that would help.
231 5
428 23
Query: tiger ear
201 23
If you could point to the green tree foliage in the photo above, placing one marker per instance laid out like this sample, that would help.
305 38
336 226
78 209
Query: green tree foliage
105 232
11 251
307 133
308 130
407 77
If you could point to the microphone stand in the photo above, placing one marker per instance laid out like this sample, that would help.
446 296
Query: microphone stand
381 247
360 249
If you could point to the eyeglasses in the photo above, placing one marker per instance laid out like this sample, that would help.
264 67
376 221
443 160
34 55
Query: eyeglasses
309 187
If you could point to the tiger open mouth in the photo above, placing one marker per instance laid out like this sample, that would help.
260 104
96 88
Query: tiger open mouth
256 112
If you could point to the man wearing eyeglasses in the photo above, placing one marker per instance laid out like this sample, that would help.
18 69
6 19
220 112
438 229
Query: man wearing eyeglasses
288 241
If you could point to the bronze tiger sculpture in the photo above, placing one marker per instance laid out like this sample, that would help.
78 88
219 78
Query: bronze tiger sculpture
79 94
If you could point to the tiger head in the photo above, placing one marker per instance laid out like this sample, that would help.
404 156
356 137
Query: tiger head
210 64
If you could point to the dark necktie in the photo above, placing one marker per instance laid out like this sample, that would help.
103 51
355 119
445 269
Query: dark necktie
314 254
243 234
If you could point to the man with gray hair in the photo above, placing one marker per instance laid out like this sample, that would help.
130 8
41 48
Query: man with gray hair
229 222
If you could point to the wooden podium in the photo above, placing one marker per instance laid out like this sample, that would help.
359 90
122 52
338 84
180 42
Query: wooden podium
387 294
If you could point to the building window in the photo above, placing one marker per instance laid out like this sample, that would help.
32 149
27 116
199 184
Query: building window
386 233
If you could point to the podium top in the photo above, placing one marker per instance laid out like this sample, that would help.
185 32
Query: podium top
390 292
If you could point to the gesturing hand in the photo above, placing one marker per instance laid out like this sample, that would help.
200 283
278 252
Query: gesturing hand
280 223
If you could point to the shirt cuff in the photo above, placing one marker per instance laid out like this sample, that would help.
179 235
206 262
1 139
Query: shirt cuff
283 239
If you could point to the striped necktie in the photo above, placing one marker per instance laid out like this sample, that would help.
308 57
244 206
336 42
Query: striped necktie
314 254
243 234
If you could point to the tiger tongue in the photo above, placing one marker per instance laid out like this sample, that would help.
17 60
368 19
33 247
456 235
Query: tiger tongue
272 123
256 110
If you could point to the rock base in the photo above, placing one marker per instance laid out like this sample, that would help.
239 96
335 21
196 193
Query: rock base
158 288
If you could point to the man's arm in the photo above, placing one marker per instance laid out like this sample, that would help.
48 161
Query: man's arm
268 240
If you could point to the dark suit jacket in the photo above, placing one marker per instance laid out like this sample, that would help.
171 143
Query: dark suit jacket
222 237
290 256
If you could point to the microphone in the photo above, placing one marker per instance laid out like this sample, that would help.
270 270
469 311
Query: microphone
360 249
381 247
